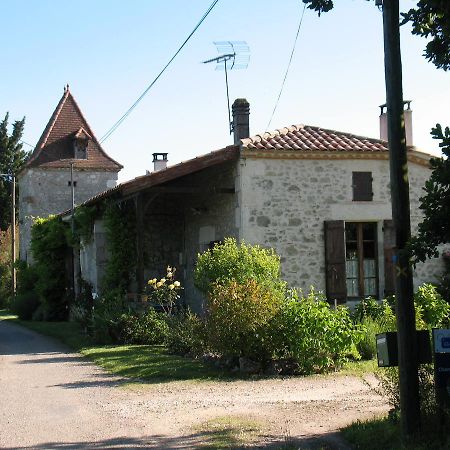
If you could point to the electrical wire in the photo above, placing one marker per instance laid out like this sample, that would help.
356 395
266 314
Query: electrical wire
26 143
288 67
119 122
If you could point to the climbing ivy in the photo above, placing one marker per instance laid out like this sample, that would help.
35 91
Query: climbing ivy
50 248
120 225
84 218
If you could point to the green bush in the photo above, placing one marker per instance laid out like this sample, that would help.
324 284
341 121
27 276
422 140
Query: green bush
187 334
434 309
49 248
318 337
239 317
105 324
149 328
5 284
374 318
240 262
24 305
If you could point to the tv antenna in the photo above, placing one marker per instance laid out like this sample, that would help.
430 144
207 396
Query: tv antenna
234 55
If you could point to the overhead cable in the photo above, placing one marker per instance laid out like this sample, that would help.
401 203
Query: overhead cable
288 67
119 122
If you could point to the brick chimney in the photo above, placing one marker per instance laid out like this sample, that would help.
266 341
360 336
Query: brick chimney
408 122
240 124
159 161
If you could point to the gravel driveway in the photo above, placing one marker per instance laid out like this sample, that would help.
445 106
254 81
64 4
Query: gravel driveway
54 399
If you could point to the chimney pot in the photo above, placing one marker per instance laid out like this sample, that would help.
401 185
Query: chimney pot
159 161
241 120
407 114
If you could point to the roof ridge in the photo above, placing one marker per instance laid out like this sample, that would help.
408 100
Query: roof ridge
89 130
49 127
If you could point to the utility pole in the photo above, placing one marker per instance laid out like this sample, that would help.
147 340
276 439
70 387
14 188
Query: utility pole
404 290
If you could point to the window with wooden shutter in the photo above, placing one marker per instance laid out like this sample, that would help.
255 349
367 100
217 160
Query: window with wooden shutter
335 260
362 186
389 252
361 259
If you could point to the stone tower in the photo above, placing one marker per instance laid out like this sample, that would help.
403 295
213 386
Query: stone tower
45 181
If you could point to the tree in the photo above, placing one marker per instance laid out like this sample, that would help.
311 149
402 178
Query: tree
435 204
12 158
431 18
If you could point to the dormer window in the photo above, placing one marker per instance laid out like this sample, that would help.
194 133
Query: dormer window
80 144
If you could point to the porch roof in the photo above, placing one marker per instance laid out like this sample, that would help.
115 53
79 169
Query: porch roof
179 170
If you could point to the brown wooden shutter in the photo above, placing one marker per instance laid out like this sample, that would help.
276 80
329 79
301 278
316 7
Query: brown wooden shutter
362 186
335 260
389 251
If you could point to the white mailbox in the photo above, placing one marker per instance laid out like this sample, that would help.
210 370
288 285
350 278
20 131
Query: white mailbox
441 341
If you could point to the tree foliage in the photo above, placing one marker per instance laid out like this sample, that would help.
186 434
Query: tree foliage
12 158
435 204
429 19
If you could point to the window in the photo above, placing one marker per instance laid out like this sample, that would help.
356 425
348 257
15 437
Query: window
361 260
362 186
351 260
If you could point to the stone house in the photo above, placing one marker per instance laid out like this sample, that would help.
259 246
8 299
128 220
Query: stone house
319 197
67 160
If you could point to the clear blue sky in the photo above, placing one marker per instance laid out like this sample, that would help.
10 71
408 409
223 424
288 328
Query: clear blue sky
110 50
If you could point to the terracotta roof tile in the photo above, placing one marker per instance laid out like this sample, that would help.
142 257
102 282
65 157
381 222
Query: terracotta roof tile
313 139
56 142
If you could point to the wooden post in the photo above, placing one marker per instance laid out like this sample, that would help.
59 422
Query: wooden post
404 291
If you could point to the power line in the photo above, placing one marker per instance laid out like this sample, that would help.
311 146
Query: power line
119 122
288 66
26 143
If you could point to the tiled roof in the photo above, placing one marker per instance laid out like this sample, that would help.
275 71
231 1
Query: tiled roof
305 138
56 142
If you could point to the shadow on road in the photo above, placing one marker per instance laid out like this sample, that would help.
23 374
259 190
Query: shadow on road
202 440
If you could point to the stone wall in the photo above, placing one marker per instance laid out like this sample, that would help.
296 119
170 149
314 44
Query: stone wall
44 191
284 204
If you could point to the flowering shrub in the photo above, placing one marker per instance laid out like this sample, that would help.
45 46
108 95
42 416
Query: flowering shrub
164 293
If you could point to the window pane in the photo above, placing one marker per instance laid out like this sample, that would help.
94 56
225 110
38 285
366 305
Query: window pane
369 231
370 287
369 250
352 268
352 287
350 231
369 268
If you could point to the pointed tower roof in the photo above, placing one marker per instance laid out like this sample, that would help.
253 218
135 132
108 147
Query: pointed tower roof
56 145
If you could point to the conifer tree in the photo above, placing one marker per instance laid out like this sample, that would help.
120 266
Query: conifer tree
12 158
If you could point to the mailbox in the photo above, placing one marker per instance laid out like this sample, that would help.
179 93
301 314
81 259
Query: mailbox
387 348
441 341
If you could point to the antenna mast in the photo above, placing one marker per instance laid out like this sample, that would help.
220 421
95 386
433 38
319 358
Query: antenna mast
238 53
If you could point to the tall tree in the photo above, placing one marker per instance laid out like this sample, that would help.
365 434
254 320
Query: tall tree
12 158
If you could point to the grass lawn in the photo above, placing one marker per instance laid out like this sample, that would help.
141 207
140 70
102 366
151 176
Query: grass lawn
147 363
383 433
